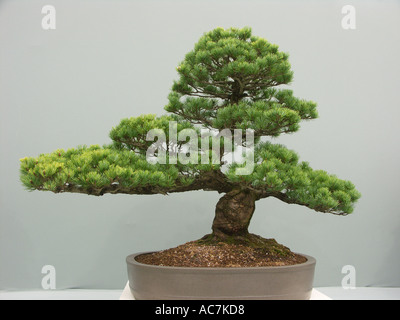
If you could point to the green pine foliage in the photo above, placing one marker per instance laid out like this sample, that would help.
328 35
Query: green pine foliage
97 170
278 173
230 80
132 133
226 64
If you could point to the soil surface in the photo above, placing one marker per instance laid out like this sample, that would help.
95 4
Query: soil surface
210 253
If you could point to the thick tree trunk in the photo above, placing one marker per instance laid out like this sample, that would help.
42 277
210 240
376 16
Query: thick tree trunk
233 213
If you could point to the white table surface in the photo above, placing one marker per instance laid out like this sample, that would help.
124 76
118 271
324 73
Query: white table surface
320 293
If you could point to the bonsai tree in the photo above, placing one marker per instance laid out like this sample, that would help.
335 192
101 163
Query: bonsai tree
231 80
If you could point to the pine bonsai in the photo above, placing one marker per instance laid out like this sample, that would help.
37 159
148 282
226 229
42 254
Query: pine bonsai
231 80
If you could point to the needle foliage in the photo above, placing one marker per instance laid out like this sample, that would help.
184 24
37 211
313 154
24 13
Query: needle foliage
230 80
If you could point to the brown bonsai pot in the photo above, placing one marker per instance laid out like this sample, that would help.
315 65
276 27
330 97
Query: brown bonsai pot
152 282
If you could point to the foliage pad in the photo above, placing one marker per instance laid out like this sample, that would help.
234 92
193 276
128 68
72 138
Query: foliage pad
230 80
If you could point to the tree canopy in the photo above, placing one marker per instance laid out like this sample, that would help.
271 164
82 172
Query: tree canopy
230 80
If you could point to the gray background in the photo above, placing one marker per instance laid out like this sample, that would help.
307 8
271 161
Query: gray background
113 59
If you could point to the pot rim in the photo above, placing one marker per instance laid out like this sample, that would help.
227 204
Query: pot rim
130 260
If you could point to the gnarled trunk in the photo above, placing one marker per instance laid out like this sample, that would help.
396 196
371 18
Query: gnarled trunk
233 213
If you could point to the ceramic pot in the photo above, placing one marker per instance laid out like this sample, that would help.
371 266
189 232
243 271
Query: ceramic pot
151 282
